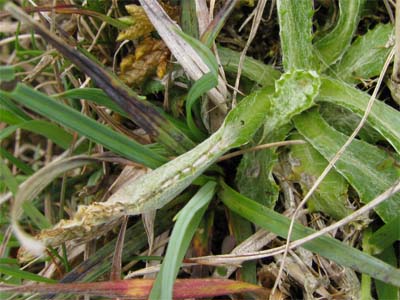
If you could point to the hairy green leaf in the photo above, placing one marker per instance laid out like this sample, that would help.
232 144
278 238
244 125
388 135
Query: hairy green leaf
367 168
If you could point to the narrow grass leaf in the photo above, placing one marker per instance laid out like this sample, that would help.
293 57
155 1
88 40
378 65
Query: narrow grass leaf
383 118
94 95
333 45
85 126
35 215
21 274
16 162
44 128
7 177
188 220
367 168
8 107
324 245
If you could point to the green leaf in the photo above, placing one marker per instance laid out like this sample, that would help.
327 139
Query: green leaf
94 95
16 162
188 220
264 75
6 73
367 168
385 236
17 273
331 195
383 289
44 128
383 118
202 85
295 23
294 93
8 178
333 45
85 126
366 56
254 174
35 215
323 245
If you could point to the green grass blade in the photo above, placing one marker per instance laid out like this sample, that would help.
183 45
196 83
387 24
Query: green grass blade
188 220
51 131
17 273
367 168
8 178
365 58
382 118
295 22
6 73
324 245
333 45
94 95
16 162
85 126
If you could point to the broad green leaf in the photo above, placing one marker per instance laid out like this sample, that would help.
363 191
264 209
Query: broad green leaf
383 118
367 168
188 220
366 56
264 75
295 23
345 121
324 245
331 195
294 93
254 174
85 126
333 45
